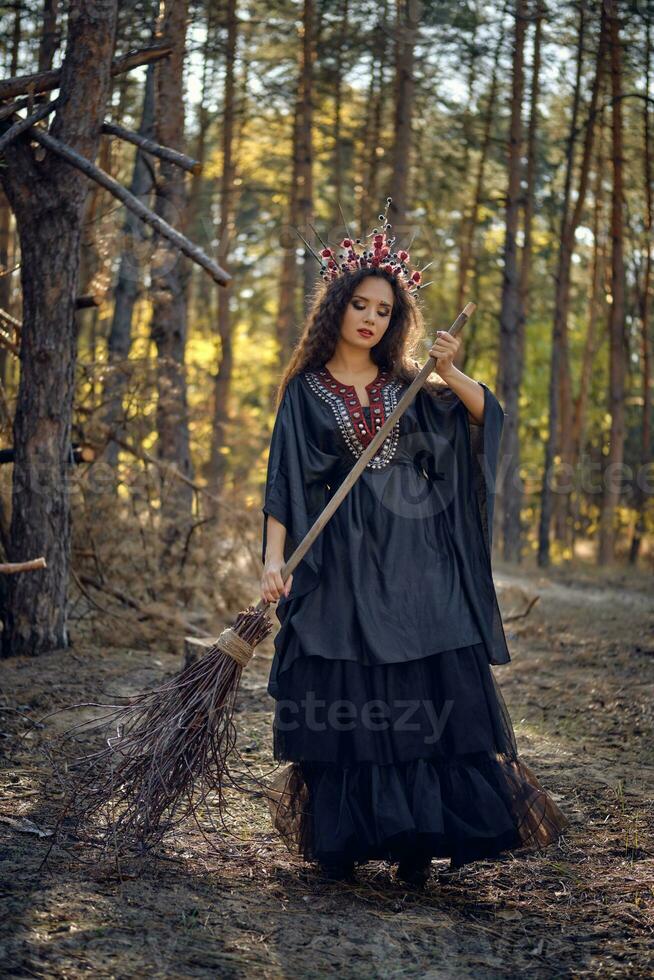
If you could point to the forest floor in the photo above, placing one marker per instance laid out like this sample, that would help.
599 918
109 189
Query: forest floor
579 689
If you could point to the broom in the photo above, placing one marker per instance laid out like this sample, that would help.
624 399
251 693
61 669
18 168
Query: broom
169 747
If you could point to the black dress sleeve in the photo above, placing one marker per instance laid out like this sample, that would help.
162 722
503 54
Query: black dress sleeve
277 496
295 492
445 413
476 453
485 448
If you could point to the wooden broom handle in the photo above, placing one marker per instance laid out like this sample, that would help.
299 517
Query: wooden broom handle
367 454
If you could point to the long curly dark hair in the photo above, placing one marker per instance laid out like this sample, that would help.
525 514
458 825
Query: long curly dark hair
394 353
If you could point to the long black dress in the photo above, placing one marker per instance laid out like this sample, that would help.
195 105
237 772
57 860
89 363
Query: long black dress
386 708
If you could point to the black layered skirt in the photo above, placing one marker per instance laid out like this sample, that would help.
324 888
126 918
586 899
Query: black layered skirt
399 758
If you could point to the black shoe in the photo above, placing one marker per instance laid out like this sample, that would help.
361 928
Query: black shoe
337 870
414 871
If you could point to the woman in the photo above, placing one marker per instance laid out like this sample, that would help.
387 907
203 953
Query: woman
399 743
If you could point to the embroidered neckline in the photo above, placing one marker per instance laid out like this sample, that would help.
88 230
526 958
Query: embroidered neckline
351 415
365 431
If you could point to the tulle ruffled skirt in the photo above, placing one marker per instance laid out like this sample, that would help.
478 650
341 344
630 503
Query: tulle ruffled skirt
391 759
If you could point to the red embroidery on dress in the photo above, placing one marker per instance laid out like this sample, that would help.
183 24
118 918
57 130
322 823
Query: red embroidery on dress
348 393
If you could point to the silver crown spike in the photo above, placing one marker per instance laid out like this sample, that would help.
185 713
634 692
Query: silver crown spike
317 257
347 230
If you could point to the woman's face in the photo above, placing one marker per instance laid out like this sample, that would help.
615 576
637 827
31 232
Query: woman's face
368 313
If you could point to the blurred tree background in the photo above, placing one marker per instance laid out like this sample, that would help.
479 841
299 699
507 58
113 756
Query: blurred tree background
515 140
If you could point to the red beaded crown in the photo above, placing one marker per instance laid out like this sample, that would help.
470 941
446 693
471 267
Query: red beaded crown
336 262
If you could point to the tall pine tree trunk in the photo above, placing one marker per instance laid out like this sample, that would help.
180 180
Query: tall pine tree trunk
337 152
560 393
510 495
592 340
305 150
223 378
469 224
169 282
645 314
128 281
47 197
611 481
5 209
369 167
287 309
407 24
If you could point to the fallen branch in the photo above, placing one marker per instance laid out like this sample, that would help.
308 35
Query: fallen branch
156 615
514 616
22 125
194 252
11 567
156 149
45 81
132 621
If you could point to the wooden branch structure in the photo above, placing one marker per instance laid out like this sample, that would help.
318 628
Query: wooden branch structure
8 343
7 271
194 252
6 340
10 340
10 320
45 81
22 125
12 567
9 110
149 146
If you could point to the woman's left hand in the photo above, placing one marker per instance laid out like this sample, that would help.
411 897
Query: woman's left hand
444 350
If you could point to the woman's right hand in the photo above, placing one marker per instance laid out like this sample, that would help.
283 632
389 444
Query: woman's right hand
272 583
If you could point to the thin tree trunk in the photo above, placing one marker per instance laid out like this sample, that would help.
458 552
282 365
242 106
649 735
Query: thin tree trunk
562 502
617 349
645 313
49 41
337 152
48 199
305 150
530 179
371 162
407 21
560 395
129 273
469 222
287 309
223 377
200 291
169 282
592 341
5 210
510 495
